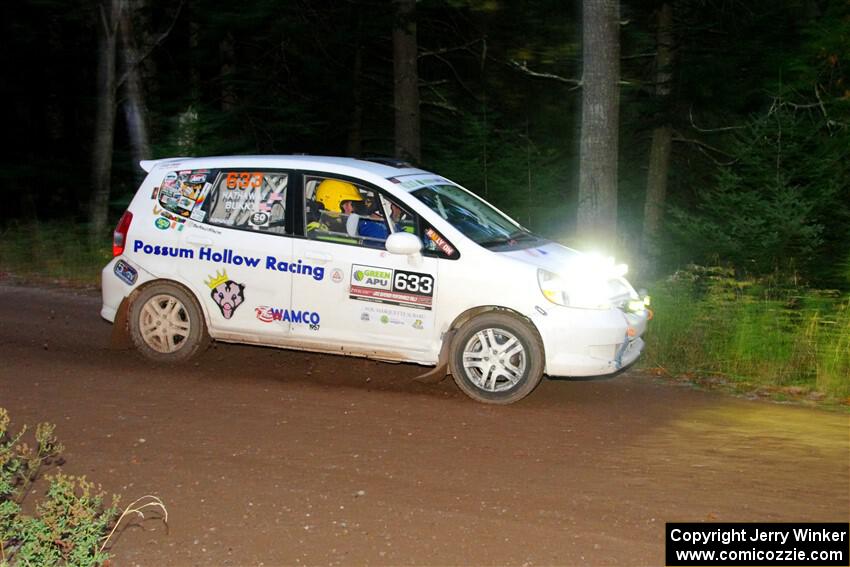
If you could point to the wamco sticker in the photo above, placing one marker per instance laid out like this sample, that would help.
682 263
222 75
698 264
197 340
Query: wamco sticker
268 314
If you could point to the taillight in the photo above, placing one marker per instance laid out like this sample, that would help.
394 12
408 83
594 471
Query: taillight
119 237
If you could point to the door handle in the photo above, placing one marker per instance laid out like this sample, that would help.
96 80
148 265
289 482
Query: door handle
318 256
199 240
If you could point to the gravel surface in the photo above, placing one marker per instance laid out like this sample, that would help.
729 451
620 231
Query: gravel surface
273 457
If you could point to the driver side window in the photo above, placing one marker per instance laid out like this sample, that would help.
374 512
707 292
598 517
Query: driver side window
338 210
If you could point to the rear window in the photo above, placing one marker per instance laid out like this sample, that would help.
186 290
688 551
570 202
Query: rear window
181 191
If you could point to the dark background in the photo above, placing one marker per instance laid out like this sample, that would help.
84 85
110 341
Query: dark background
759 107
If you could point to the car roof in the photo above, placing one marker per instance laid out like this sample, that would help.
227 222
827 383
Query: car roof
384 168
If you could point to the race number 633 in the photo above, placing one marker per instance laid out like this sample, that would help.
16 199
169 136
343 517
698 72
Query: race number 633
422 284
243 180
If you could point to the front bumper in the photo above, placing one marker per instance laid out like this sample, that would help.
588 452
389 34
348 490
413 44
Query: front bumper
586 342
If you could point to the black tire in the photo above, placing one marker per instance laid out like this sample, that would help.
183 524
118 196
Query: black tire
509 377
175 335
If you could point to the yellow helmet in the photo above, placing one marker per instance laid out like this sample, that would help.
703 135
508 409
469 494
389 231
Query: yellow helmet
332 192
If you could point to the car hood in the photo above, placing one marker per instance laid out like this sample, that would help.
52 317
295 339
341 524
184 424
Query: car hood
547 255
574 265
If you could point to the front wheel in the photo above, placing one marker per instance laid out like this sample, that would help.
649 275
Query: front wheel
496 358
166 323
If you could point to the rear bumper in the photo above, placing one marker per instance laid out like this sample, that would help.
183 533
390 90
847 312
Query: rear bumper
112 291
114 288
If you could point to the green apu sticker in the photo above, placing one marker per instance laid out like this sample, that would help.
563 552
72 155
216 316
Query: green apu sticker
162 223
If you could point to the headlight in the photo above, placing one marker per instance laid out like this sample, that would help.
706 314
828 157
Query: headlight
599 264
636 305
553 287
584 292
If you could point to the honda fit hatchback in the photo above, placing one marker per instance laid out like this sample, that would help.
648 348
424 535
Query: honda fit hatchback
361 258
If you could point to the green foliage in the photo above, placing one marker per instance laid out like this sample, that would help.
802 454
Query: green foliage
55 251
69 524
760 333
833 354
822 61
782 203
503 166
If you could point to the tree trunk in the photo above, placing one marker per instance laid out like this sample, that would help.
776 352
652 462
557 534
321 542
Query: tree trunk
597 198
354 146
104 127
406 82
355 128
656 190
659 155
227 52
194 52
54 115
135 111
187 121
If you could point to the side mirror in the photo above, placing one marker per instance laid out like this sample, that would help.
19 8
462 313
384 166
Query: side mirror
403 243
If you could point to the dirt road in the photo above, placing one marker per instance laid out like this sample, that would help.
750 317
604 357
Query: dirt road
270 457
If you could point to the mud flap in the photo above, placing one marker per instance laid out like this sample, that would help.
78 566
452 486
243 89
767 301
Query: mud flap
439 372
120 330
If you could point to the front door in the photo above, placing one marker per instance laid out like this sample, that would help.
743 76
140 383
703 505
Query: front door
360 298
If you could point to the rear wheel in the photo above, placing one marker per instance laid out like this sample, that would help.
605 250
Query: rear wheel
496 358
166 323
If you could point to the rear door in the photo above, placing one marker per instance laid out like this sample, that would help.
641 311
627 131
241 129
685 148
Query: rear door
238 238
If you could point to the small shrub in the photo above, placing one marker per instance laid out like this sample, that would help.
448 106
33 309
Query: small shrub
68 527
71 525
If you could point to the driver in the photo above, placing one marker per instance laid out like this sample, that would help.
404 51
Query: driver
338 200
375 227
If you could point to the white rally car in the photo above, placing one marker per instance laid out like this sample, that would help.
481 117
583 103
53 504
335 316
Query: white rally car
364 258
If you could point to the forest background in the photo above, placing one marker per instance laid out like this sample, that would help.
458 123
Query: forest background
732 188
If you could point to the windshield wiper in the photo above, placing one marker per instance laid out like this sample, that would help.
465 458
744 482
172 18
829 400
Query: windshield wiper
495 242
522 235
510 239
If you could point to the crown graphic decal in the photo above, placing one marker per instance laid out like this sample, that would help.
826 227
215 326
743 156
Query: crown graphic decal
214 282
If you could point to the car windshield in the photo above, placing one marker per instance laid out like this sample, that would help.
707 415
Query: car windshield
472 216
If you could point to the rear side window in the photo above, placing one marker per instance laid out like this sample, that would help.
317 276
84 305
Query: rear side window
182 191
248 200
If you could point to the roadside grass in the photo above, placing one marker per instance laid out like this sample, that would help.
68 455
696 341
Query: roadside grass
751 336
54 252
